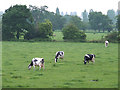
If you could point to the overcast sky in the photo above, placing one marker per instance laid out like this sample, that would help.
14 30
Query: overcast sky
66 5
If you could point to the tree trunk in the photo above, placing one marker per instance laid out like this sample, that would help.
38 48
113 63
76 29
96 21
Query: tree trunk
103 30
18 35
99 30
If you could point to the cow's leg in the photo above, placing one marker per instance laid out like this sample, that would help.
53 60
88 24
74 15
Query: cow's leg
85 61
62 57
43 67
93 60
88 61
55 60
34 67
106 44
39 67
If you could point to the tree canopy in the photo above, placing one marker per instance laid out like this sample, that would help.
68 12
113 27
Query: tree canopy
72 33
98 21
16 20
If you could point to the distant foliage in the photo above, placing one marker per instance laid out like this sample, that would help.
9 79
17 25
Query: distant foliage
85 16
57 11
72 33
113 37
42 30
98 21
118 22
111 15
40 14
45 29
16 21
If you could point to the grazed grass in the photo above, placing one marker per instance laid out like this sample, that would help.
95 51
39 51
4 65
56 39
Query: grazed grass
67 73
90 36
96 36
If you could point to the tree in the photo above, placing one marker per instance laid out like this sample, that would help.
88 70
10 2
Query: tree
57 11
76 21
113 37
40 14
0 28
41 30
72 33
85 24
111 15
95 20
99 21
16 20
118 23
106 23
118 26
85 16
45 29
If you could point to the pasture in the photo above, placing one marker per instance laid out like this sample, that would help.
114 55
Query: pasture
90 36
67 73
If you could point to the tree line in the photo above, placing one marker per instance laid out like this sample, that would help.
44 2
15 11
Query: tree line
34 22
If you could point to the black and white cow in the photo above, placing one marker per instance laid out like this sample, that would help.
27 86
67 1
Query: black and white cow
89 57
36 62
106 43
59 54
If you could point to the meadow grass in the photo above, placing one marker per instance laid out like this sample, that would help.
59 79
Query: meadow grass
90 36
96 36
67 73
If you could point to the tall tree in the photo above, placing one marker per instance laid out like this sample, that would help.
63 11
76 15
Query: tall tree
57 11
85 16
0 28
45 29
106 23
111 15
95 20
118 22
16 20
76 21
99 21
40 15
118 26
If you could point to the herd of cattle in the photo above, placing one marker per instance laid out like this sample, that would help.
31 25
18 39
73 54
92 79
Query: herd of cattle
60 55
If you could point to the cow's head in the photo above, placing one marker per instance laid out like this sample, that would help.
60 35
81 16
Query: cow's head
56 59
85 61
42 61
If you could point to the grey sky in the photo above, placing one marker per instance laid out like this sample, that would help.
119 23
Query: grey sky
66 5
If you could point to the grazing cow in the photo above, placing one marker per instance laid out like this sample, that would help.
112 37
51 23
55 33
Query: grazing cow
106 43
88 57
36 62
59 54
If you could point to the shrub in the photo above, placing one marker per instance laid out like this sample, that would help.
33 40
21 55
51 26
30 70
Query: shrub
113 37
72 33
43 31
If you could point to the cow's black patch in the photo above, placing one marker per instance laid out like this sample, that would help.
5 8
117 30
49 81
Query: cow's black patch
31 64
35 60
42 61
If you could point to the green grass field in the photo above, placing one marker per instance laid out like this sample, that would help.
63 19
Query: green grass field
67 73
90 36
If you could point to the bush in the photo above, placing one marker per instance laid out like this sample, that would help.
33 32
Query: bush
43 31
72 33
113 37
